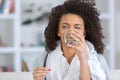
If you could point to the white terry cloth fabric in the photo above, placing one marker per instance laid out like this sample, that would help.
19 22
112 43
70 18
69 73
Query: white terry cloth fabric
61 70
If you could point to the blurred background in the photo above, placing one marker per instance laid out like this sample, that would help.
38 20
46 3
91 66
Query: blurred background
22 24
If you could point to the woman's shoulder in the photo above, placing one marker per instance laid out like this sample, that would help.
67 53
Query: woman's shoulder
39 61
101 59
104 65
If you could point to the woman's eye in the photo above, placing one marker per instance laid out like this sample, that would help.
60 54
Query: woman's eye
77 27
65 27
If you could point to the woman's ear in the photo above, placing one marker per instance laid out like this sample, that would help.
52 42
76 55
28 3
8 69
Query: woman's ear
58 34
85 33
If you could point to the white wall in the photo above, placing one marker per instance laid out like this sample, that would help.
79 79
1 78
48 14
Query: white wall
117 32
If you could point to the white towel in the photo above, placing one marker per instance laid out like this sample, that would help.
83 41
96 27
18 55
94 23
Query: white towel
61 70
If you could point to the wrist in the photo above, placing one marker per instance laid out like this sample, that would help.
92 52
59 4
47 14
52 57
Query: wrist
83 62
83 59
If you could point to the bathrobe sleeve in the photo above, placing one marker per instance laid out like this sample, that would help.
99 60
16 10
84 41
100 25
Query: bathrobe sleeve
104 66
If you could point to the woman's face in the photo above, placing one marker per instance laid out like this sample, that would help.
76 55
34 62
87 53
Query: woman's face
70 22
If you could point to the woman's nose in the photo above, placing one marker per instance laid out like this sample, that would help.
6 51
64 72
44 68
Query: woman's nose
71 30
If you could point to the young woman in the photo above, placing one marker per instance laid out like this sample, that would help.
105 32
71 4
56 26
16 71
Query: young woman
79 58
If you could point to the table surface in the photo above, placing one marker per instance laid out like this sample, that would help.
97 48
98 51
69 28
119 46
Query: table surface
114 74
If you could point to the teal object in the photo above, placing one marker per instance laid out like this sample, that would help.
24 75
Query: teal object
2 6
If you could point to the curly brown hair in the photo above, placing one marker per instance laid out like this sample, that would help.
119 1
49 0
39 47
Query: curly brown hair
91 19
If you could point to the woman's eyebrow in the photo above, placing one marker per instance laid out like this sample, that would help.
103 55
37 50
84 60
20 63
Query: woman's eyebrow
74 24
65 23
77 24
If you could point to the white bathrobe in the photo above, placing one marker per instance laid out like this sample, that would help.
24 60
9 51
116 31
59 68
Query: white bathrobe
62 70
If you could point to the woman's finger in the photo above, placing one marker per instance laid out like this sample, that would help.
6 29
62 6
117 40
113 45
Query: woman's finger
42 68
40 72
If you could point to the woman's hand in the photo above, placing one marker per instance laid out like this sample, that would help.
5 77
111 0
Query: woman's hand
81 51
80 48
40 72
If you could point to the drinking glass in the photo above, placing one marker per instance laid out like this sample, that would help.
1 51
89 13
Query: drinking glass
68 39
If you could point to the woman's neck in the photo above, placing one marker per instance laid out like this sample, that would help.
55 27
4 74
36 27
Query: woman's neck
68 53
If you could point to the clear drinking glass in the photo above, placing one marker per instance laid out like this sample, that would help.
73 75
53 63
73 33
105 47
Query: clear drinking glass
68 39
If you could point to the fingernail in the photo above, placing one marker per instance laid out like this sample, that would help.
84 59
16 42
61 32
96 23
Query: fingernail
49 69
